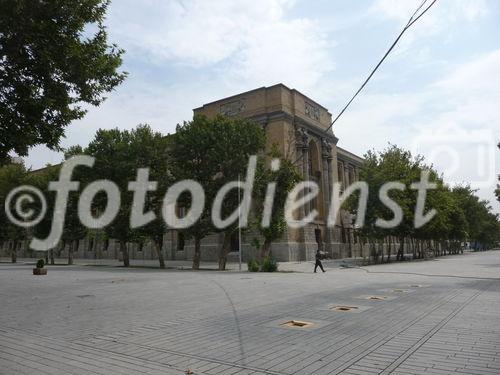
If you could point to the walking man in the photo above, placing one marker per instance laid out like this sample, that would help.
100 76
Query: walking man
318 262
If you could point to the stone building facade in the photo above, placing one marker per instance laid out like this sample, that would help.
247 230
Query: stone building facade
299 127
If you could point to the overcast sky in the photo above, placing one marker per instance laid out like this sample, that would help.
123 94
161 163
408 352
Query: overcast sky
437 94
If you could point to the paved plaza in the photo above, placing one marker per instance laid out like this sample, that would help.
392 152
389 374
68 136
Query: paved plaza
430 317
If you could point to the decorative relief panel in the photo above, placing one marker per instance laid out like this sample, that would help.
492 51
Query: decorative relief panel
326 147
302 138
312 111
232 108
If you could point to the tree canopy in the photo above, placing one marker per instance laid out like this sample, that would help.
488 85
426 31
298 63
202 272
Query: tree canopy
460 214
54 57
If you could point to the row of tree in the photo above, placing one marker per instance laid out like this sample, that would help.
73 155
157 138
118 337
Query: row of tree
212 152
460 215
216 151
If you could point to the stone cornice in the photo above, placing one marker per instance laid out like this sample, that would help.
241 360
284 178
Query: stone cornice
294 120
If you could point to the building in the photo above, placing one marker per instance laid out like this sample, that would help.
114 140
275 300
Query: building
300 128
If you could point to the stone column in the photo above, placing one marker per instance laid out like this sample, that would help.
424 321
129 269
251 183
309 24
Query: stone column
305 151
302 144
326 153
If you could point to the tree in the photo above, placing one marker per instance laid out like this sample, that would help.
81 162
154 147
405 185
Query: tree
460 214
497 191
239 139
286 177
113 161
151 149
213 152
448 226
11 176
396 165
51 64
118 155
41 179
482 224
74 230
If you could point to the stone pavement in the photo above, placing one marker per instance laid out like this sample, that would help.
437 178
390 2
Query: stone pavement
431 317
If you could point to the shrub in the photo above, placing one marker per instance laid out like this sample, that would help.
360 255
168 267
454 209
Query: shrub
269 264
253 265
40 263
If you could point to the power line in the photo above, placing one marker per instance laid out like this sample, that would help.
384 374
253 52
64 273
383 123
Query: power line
411 21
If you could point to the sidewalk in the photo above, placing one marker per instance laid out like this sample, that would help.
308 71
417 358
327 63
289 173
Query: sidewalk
302 267
306 266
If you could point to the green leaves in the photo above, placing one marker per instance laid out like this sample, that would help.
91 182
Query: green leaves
461 215
286 177
51 65
118 155
213 152
11 176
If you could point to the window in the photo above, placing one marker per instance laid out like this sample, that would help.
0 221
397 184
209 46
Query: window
352 176
341 175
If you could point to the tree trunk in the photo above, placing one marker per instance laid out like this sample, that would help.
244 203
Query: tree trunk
70 253
197 253
224 250
124 251
373 250
401 250
13 252
159 251
265 249
349 242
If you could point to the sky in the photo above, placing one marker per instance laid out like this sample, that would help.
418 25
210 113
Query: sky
437 94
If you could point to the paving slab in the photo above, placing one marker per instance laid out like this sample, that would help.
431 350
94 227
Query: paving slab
438 317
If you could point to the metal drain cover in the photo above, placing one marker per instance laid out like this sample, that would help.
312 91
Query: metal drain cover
376 298
297 324
344 308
